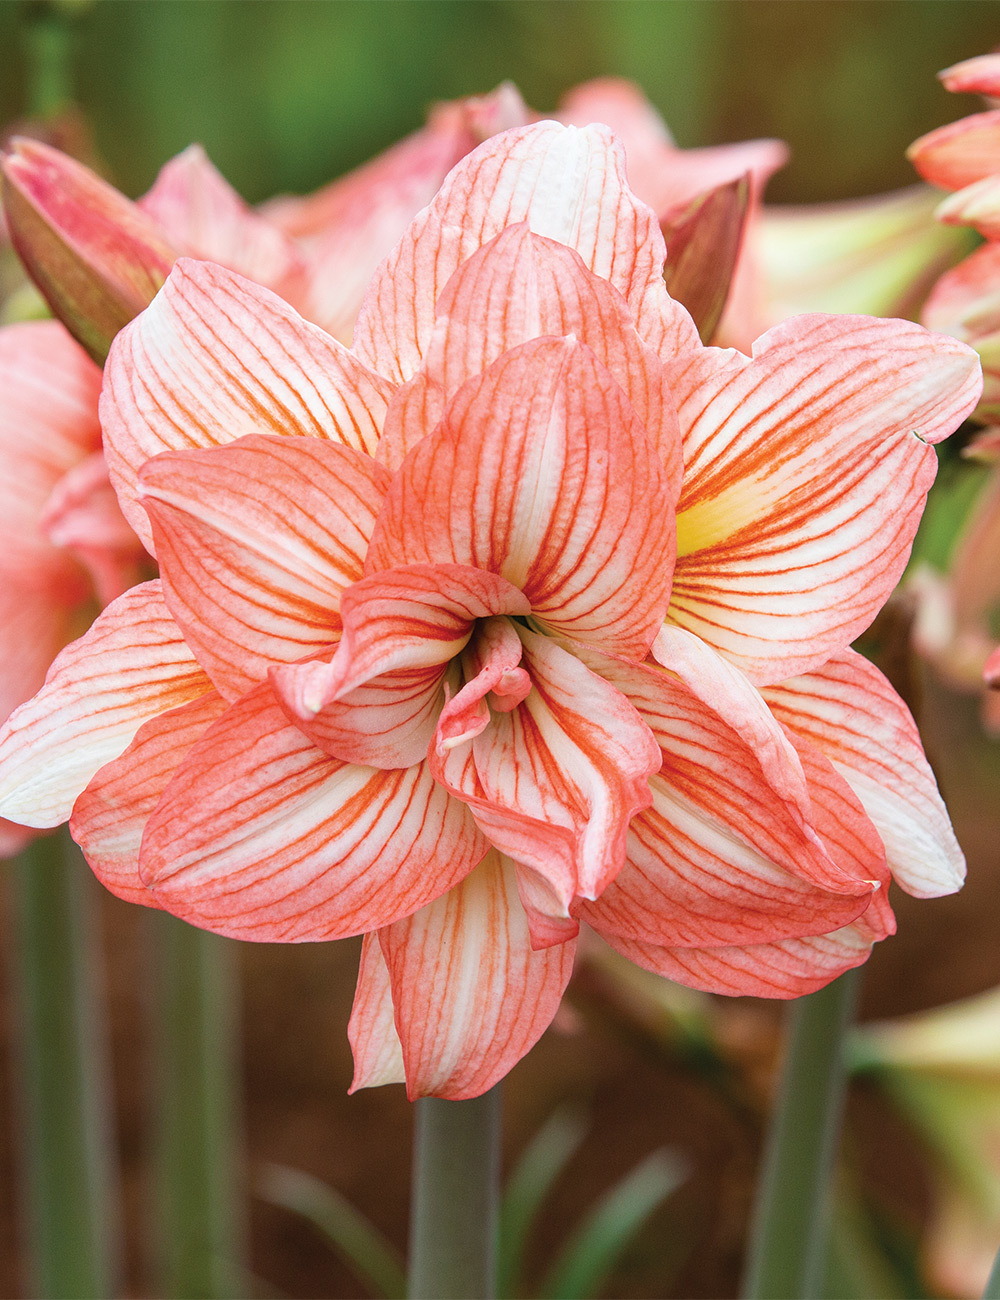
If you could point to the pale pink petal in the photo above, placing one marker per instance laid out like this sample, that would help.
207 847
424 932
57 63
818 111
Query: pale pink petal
257 540
378 1056
48 422
991 673
350 225
471 996
260 835
516 288
786 969
976 205
35 624
806 470
567 184
556 780
541 472
955 155
732 849
665 177
130 666
214 358
14 838
82 518
849 711
110 816
378 701
976 76
204 217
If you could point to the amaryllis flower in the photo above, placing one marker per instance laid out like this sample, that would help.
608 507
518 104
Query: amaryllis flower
529 612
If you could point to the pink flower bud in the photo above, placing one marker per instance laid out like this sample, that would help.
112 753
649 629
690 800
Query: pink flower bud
96 257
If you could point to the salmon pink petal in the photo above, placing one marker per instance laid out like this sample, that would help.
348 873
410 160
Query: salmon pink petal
556 780
260 835
516 288
567 184
731 850
785 969
377 702
960 153
806 470
110 816
257 540
991 672
471 995
214 358
204 216
378 1056
48 422
541 472
131 665
850 713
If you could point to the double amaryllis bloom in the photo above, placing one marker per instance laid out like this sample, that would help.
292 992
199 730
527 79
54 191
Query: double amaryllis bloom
529 612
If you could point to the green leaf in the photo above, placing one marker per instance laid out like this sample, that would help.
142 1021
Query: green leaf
530 1181
597 1242
353 1236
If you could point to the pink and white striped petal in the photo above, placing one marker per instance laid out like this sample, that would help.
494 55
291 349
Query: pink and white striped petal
732 849
110 816
518 287
786 969
203 215
541 472
131 665
850 713
257 540
556 780
960 153
214 358
260 835
378 701
378 1055
471 995
567 184
806 470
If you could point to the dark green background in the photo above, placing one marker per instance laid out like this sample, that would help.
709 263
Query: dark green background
286 93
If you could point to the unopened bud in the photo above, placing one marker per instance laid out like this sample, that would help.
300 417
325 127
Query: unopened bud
703 245
96 257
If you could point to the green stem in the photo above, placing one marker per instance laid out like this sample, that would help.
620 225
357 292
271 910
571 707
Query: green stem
72 1192
789 1228
456 1197
200 1214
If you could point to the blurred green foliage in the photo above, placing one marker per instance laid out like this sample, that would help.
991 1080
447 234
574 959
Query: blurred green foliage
286 93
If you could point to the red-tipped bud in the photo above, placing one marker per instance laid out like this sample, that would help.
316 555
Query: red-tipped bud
97 258
703 245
